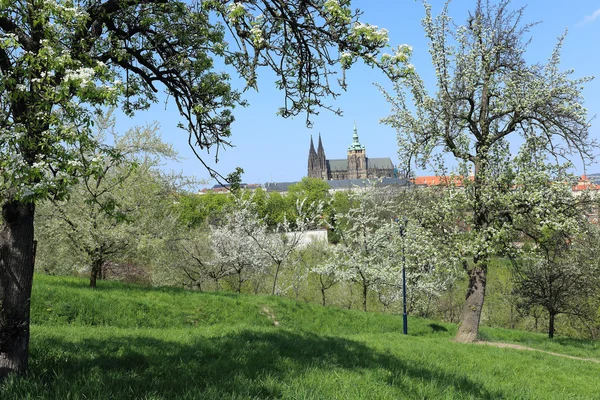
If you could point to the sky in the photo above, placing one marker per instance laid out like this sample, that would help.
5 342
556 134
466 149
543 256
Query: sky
272 149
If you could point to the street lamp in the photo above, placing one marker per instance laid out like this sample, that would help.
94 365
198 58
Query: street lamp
404 315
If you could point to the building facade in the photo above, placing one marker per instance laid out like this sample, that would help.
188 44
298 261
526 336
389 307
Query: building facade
356 166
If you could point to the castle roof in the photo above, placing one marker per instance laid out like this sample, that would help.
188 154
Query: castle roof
343 184
378 163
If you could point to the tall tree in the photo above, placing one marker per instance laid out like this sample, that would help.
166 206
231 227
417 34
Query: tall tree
61 60
486 94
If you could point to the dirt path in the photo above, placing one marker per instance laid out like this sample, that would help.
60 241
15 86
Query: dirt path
519 347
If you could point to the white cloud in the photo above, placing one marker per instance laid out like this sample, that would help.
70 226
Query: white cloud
590 18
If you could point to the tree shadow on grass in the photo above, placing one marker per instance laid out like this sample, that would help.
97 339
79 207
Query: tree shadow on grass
236 365
438 328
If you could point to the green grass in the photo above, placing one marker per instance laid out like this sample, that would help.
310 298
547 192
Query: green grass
131 342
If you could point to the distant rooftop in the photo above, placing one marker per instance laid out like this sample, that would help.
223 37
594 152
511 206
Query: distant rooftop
342 184
590 181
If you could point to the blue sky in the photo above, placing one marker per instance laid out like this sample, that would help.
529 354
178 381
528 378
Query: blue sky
270 148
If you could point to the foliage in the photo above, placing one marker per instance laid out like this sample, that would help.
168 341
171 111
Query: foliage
61 61
486 94
310 190
195 210
373 243
107 216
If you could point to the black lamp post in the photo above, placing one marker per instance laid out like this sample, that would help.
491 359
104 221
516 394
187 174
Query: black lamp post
404 315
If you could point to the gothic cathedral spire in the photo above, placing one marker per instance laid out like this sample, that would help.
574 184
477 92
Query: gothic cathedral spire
317 164
313 161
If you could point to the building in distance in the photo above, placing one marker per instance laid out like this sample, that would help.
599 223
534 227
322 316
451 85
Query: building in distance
356 166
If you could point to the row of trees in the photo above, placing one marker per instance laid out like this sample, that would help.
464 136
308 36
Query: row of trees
239 248
136 223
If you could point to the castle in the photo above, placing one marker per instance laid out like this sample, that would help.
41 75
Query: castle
356 166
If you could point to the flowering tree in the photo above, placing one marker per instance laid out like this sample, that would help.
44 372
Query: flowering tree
371 246
486 94
367 250
280 242
558 267
235 251
61 60
103 214
326 271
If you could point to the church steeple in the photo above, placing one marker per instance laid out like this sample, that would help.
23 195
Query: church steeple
322 160
355 143
320 150
313 161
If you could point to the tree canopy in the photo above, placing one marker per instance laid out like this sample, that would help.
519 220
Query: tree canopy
487 93
62 61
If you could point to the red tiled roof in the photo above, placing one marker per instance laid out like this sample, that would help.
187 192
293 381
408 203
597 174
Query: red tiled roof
439 180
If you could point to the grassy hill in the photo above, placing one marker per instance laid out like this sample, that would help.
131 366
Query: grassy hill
131 342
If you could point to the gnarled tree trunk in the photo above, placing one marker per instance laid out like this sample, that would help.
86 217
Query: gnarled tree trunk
16 276
471 312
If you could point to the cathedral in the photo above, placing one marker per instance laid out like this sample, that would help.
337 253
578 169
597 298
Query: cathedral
356 166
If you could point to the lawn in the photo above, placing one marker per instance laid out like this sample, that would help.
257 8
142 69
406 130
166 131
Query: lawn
131 342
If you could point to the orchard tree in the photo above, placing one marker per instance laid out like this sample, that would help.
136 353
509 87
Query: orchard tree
366 253
62 60
102 217
486 94
280 242
236 252
558 271
372 245
326 271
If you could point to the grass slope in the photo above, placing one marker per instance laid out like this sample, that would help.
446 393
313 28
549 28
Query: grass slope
131 342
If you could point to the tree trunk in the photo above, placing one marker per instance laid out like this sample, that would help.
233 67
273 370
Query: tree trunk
16 276
275 278
96 268
364 293
471 313
551 326
323 295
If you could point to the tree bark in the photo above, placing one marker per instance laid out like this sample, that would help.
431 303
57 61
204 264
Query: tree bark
16 277
323 296
364 295
551 326
275 278
96 268
471 312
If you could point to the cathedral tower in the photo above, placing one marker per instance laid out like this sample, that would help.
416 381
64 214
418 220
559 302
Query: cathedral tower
322 161
357 158
317 164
